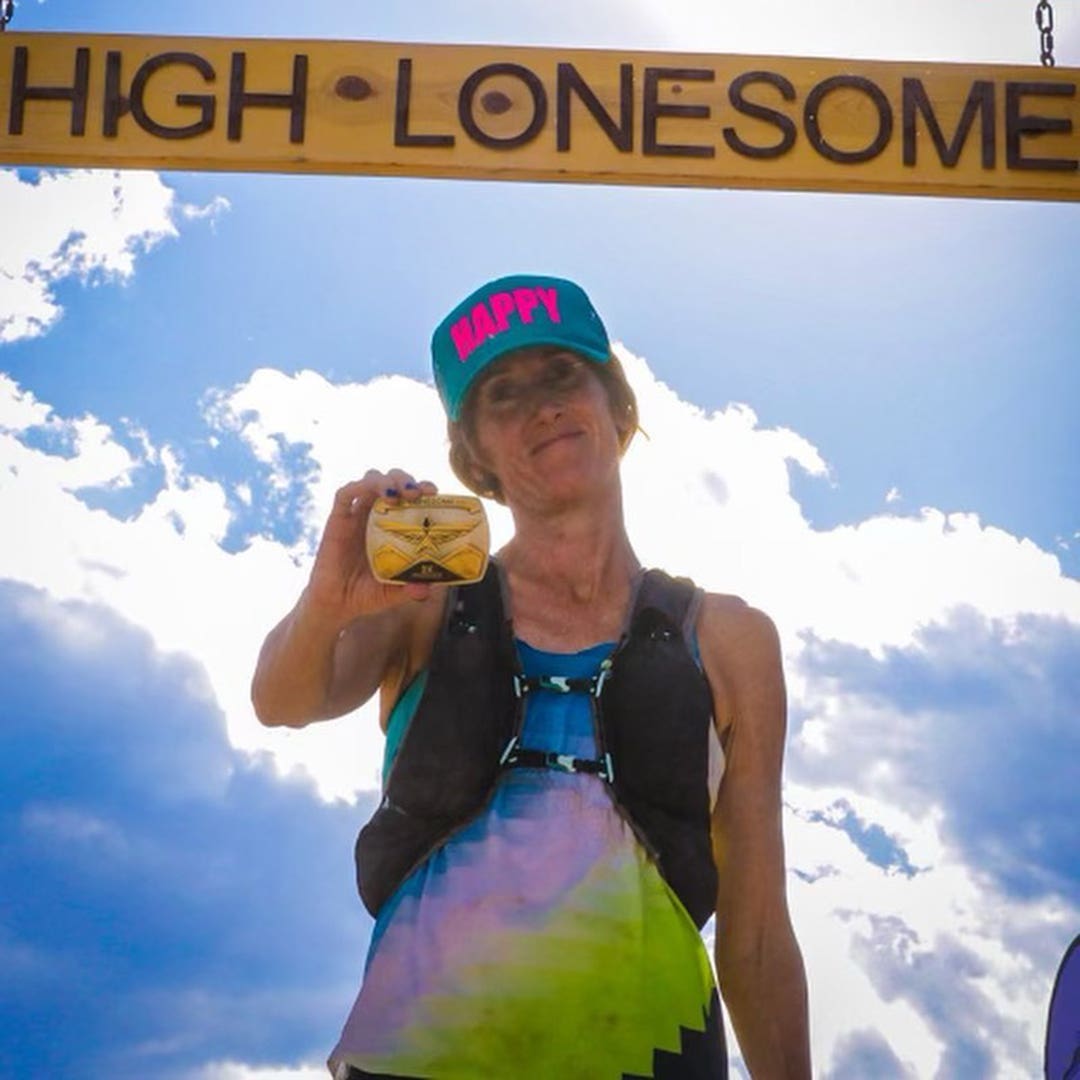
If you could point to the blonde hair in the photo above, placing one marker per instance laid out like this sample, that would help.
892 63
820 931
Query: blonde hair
462 433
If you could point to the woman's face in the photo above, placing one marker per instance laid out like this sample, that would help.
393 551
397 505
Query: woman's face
542 424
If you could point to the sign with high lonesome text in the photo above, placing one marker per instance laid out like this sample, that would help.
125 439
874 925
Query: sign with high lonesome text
510 113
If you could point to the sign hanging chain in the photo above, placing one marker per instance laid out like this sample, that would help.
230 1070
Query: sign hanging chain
1044 20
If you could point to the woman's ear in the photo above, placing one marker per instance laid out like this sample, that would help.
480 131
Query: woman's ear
485 480
624 432
481 478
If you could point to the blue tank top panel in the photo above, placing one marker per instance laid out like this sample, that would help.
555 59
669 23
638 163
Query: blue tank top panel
553 721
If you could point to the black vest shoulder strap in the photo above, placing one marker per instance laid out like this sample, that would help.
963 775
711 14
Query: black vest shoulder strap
666 604
656 716
474 611
448 759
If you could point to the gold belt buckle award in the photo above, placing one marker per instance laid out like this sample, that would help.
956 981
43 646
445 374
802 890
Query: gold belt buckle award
435 539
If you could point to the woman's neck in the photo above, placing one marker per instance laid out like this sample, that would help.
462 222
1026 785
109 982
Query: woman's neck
577 554
570 576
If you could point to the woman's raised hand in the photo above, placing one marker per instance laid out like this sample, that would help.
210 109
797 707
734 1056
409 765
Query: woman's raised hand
342 585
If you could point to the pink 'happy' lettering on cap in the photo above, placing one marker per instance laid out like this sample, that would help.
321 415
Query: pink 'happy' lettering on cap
502 304
494 315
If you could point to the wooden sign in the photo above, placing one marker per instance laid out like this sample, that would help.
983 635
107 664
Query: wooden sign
508 113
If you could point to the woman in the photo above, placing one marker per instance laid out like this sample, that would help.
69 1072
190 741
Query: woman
551 836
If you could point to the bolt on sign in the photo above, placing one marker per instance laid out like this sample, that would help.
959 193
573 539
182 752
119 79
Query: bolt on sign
510 113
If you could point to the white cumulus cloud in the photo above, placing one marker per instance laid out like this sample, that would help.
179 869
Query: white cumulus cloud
90 225
235 1070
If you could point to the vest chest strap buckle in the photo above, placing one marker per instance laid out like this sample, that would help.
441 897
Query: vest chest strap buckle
563 684
520 757
508 751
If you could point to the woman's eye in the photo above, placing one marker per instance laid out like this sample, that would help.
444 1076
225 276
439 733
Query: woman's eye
566 374
563 374
502 392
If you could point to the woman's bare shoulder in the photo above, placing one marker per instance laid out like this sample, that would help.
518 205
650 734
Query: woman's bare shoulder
729 622
740 650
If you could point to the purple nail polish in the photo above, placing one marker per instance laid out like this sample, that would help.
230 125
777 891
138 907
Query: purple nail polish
392 492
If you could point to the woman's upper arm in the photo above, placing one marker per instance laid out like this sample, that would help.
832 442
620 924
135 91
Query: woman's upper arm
741 653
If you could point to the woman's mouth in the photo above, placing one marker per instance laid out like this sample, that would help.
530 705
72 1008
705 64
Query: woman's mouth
561 437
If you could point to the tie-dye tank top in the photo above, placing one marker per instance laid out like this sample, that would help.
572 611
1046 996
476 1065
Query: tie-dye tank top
539 941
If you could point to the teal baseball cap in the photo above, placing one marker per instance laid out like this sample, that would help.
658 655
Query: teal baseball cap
511 313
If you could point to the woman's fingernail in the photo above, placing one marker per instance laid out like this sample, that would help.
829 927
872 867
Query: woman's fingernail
409 485
392 492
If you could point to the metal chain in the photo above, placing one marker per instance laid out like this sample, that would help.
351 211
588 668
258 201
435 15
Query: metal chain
7 10
1044 20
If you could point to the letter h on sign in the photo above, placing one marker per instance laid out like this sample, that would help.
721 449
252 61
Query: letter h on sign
240 98
22 91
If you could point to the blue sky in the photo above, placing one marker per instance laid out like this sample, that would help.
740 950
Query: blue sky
161 866
864 408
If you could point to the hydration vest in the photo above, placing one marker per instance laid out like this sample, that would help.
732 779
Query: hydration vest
652 711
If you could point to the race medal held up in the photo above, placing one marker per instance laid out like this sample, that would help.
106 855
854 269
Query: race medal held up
438 539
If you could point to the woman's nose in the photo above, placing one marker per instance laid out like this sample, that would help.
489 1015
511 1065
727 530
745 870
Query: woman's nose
548 402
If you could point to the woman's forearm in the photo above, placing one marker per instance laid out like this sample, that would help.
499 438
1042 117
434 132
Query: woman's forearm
766 997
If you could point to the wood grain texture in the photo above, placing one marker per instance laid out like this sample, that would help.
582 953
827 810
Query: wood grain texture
513 113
